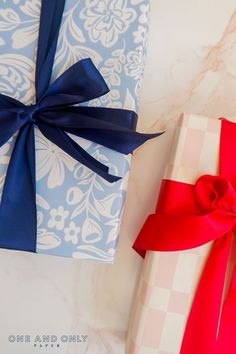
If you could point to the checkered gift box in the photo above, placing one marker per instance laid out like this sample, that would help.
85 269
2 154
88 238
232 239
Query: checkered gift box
169 279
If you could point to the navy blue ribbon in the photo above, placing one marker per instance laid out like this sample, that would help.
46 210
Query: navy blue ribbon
55 116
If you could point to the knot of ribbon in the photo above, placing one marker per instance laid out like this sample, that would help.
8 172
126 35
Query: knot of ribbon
55 115
188 216
215 194
28 113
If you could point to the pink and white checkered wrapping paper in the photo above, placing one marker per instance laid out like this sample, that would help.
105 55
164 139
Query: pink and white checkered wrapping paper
169 279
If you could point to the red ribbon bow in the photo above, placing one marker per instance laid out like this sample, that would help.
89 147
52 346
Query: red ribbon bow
188 216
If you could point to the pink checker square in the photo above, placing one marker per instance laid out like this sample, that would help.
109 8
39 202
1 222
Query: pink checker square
213 126
190 156
178 302
153 328
165 275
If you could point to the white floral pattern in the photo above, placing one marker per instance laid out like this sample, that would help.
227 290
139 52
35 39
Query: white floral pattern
4 154
72 233
58 217
139 34
133 66
8 19
51 161
47 240
17 73
4 161
106 20
78 212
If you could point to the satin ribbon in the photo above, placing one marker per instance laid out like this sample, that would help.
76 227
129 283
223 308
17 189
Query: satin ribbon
189 216
55 116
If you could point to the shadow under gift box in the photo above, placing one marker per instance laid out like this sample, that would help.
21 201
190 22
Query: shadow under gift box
169 280
79 213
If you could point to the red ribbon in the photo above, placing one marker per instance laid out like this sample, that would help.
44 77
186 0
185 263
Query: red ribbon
188 216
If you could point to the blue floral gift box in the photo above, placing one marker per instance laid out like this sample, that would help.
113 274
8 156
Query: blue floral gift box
78 212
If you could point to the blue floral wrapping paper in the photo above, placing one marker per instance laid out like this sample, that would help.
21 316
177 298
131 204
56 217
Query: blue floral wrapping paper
79 213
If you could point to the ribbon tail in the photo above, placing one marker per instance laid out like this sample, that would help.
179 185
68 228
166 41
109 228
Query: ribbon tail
61 139
18 221
227 339
81 82
124 118
122 140
202 325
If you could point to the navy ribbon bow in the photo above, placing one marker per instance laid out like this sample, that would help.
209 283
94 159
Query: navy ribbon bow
55 116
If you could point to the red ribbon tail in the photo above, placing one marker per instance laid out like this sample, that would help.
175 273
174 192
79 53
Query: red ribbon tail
201 330
227 332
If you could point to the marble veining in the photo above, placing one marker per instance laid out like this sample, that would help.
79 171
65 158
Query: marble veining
190 67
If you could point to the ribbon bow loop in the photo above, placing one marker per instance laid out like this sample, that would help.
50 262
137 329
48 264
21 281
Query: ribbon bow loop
80 83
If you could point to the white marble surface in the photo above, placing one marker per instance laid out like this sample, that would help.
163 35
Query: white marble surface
191 66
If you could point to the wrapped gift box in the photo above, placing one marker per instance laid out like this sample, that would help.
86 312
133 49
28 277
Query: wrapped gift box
79 213
169 279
